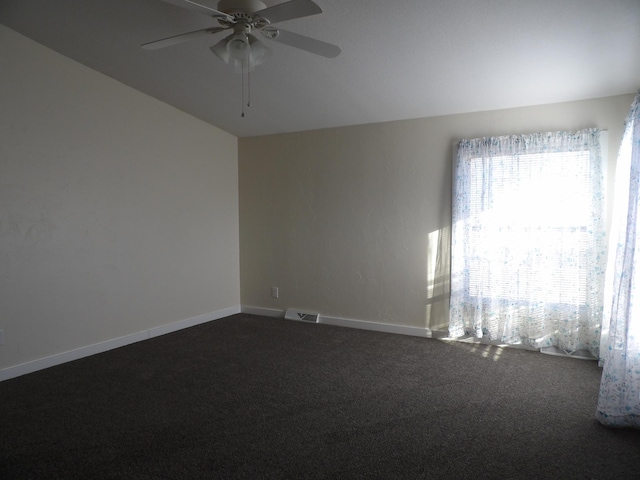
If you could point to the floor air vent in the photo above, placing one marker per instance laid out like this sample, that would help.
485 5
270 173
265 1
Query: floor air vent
301 316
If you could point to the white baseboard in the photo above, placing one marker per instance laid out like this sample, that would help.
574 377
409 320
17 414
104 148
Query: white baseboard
378 327
265 312
193 321
78 353
346 322
69 356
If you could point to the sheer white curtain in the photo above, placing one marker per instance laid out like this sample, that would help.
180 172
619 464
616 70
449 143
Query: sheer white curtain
619 399
528 240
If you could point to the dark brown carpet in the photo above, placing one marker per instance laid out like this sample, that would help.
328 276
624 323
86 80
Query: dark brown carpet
260 398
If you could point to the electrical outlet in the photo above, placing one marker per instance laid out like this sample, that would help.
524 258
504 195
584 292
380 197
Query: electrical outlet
274 292
1 337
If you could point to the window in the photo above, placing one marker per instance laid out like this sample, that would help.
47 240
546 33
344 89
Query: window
528 240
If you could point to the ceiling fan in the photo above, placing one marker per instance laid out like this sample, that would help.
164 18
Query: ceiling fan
241 48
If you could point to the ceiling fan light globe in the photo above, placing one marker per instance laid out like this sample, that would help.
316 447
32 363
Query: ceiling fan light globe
241 66
259 51
221 51
238 46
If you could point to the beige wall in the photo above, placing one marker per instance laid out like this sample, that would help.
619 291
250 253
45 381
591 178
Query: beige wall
347 221
118 213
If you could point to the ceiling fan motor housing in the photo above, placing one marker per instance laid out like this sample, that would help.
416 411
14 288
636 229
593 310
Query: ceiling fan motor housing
242 12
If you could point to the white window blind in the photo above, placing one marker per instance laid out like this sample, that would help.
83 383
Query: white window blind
528 239
533 211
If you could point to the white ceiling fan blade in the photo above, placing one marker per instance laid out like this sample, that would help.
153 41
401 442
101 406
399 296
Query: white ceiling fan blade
201 7
304 43
183 37
289 11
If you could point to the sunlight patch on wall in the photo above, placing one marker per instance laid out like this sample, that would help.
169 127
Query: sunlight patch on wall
438 270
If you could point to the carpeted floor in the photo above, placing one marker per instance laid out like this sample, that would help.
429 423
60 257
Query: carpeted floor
251 397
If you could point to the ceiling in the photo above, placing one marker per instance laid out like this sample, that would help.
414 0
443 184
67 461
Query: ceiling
400 59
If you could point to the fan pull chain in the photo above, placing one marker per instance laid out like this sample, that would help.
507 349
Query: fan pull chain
248 72
242 83
248 87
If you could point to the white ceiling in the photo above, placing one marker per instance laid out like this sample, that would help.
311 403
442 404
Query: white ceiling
400 59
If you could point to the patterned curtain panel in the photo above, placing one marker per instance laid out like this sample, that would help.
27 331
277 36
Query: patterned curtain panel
619 399
528 240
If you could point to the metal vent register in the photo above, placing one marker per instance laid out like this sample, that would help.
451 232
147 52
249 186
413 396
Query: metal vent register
292 314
